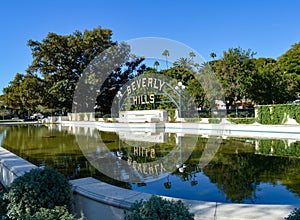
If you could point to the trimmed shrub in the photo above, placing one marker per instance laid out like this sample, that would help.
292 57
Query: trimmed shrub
214 120
172 115
193 119
3 205
58 213
242 120
158 208
277 114
39 188
106 117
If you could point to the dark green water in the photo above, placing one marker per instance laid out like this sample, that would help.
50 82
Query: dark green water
240 170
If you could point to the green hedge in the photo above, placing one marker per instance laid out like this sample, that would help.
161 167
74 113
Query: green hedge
242 120
158 208
193 119
214 120
277 114
39 188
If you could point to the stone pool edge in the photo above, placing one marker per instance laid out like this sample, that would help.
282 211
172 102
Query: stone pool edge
94 198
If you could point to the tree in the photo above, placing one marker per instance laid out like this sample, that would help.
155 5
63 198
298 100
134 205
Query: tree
234 71
183 63
269 84
166 53
115 81
289 63
23 92
60 61
192 55
192 85
156 64
213 55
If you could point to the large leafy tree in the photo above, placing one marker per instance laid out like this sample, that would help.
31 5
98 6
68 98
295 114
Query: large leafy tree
115 81
269 85
59 61
23 92
192 85
234 70
289 63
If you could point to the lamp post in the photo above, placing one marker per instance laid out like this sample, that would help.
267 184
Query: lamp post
180 87
119 96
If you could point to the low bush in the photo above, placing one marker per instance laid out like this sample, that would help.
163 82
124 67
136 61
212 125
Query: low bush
158 208
59 212
39 188
242 120
3 205
106 118
193 119
214 120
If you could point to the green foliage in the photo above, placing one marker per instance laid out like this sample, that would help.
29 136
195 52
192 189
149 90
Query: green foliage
192 119
294 215
278 148
158 208
172 115
106 117
61 60
270 85
23 92
214 120
242 120
192 85
58 213
114 82
234 72
289 63
39 188
3 205
277 114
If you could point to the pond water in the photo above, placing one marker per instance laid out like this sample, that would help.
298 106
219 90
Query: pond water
239 170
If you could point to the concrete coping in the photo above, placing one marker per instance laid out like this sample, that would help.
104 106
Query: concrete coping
12 166
123 198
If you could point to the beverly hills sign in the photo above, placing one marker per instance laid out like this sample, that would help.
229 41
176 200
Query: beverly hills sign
144 83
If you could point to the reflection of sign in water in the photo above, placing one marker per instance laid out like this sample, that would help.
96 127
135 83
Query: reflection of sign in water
141 161
160 137
144 152
156 169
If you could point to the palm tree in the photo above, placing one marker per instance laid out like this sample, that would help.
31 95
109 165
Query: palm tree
183 62
156 64
213 55
166 54
192 55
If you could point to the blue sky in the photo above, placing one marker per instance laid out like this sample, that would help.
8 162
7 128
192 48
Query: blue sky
268 27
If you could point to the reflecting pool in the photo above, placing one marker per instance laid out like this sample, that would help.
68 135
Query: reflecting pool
240 170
